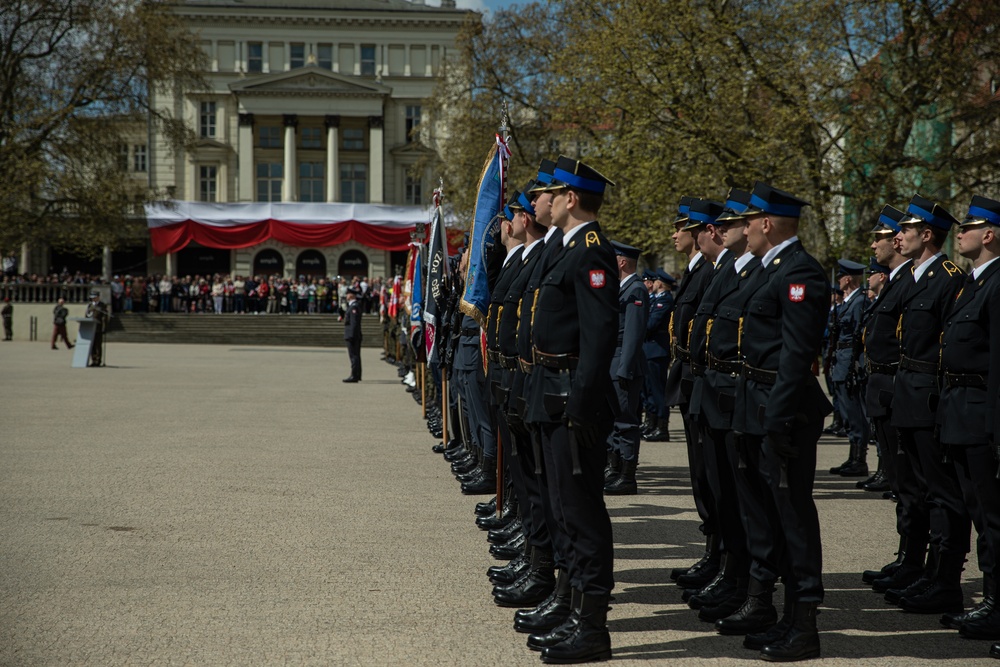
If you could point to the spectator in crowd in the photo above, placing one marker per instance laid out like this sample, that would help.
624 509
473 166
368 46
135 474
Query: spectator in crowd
166 292
218 294
7 313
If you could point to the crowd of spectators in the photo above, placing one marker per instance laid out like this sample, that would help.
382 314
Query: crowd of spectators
220 293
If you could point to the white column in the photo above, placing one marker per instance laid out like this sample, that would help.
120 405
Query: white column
406 63
375 167
215 56
171 264
265 55
288 189
357 59
244 188
24 266
332 157
106 263
335 47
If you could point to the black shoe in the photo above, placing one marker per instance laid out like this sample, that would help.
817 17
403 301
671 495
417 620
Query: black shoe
981 610
438 448
550 613
493 522
699 574
861 483
480 486
504 534
350 380
713 613
467 477
487 508
858 468
877 485
801 642
902 577
939 598
456 450
661 434
511 572
757 641
531 589
836 469
510 550
869 576
706 588
894 595
995 651
589 641
714 592
624 484
985 626
756 615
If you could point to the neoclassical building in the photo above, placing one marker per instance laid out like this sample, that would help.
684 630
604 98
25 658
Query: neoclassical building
309 101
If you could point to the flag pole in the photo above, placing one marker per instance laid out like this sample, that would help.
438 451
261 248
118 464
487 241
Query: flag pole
504 133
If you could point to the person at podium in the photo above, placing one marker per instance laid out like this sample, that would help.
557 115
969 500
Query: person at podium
97 310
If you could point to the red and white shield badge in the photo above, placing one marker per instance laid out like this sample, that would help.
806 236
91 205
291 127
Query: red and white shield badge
796 292
597 279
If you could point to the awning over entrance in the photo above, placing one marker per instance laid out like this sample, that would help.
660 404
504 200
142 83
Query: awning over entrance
173 225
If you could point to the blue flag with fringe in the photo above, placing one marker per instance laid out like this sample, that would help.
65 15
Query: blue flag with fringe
489 204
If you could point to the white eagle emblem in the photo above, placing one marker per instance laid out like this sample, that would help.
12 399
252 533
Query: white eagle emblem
796 292
597 279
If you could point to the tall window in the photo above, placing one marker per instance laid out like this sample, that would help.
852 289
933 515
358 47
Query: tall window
297 55
139 157
412 121
207 120
269 176
312 137
123 157
311 181
324 55
414 190
367 60
352 183
255 57
270 136
207 182
353 138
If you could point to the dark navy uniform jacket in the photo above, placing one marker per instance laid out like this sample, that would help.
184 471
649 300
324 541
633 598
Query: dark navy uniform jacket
633 305
657 343
881 340
510 320
576 314
916 393
693 285
787 303
505 276
970 347
849 317
352 321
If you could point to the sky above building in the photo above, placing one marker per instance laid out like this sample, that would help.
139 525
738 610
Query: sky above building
485 5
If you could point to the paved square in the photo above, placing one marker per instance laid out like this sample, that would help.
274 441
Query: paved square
215 505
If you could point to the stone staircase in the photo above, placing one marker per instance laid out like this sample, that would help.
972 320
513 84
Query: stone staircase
205 329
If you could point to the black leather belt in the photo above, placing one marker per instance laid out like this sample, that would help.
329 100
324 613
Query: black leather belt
493 356
562 362
733 368
759 375
964 380
844 346
682 354
470 331
697 369
928 367
882 369
509 363
525 366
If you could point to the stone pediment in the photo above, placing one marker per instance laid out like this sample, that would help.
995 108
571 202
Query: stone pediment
412 149
311 80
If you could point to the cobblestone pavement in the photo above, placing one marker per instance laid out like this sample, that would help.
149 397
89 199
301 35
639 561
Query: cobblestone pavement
213 505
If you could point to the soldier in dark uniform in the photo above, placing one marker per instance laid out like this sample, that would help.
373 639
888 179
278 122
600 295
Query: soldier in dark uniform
968 413
680 383
780 406
7 313
98 311
929 490
656 350
352 333
573 336
627 371
845 374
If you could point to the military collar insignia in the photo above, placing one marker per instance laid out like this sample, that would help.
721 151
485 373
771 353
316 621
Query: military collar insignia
777 260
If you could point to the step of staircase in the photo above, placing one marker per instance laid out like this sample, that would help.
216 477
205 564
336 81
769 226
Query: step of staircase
229 329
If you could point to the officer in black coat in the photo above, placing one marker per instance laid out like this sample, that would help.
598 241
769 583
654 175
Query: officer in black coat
98 311
881 358
970 393
931 496
680 383
845 373
573 339
352 333
627 371
780 406
656 351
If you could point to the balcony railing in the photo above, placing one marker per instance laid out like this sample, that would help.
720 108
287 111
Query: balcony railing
51 292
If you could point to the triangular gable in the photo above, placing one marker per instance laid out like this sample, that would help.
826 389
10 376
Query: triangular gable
308 80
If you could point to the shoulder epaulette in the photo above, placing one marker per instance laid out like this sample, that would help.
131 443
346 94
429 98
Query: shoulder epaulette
950 267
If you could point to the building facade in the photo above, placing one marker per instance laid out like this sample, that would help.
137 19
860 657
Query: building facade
307 101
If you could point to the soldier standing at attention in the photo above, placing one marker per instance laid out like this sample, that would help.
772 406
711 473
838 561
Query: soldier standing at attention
352 334
780 406
627 368
968 413
573 337
929 493
656 350
97 310
7 312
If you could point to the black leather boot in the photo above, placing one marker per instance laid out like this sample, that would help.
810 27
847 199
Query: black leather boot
919 585
944 595
757 641
995 651
501 535
550 613
756 615
660 433
540 642
625 484
879 483
510 550
512 571
710 613
986 625
613 467
909 571
590 640
704 570
984 608
869 576
713 592
455 450
801 642
710 548
850 461
536 585
859 466
493 522
484 483
647 424
878 474
487 508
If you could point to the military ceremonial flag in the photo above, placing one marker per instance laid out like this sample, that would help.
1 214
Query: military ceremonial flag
437 272
489 203
417 291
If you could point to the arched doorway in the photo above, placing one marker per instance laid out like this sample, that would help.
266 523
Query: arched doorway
353 263
268 262
311 264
